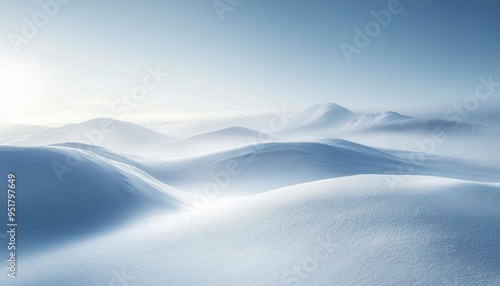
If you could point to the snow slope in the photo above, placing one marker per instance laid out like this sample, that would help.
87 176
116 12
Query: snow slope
298 208
391 122
266 166
368 121
112 134
326 120
210 141
326 117
68 193
280 164
344 231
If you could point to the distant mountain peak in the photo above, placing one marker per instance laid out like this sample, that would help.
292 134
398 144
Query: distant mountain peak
323 115
393 114
328 106
104 132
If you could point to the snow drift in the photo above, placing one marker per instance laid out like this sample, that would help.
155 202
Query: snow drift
345 231
66 193
280 164
300 207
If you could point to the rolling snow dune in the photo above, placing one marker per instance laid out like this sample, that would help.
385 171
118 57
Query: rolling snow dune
209 141
112 134
281 164
234 133
93 194
344 231
301 207
127 159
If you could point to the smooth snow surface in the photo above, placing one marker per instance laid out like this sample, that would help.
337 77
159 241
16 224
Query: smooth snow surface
430 231
323 196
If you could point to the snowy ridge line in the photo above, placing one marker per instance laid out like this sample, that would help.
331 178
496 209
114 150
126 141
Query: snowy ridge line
143 178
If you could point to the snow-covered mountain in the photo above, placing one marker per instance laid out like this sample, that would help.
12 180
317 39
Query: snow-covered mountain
332 120
326 117
371 120
109 133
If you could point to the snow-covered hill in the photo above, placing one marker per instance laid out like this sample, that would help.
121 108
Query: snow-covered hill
280 164
109 133
391 122
326 117
345 231
370 120
235 206
66 193
210 141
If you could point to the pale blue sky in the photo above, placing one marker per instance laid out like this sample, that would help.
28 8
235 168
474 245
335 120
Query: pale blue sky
264 54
